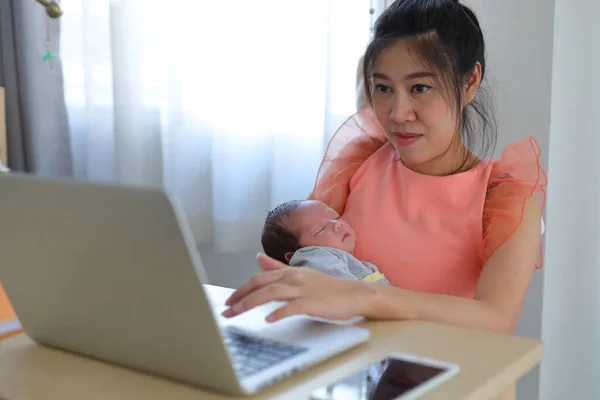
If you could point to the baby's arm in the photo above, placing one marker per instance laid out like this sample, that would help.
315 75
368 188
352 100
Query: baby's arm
321 259
375 276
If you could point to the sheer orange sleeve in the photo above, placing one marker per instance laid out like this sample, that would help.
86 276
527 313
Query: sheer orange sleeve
516 177
354 142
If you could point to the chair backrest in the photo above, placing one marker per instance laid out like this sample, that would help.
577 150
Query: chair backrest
543 226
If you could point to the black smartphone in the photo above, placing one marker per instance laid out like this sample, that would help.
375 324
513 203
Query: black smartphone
397 377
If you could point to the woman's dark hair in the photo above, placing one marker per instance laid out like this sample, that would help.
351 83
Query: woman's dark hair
446 37
276 238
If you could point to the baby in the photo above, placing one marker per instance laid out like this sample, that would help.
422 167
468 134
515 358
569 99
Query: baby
308 233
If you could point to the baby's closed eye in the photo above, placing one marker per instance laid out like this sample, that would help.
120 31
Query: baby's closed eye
325 226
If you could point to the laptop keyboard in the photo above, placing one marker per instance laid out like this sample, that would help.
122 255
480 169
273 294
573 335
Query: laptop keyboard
252 354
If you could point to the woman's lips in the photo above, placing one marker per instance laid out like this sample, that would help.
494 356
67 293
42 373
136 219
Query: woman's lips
406 138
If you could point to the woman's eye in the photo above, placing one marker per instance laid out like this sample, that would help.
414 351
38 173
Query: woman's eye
420 88
383 88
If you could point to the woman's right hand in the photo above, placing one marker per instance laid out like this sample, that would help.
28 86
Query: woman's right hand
305 290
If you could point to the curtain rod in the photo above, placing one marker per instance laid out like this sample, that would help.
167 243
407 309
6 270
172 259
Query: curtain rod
53 9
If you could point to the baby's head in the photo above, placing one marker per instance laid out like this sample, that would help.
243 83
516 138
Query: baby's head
301 223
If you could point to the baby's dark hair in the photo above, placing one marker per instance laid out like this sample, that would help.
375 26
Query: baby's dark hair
276 238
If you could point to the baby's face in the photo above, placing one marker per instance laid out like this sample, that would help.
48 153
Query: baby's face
316 224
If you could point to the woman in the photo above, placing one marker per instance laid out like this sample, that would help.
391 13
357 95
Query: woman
458 235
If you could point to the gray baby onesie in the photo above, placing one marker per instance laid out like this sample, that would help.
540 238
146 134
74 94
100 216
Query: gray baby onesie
336 263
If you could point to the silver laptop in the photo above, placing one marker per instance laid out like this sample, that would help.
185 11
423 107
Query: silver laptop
113 273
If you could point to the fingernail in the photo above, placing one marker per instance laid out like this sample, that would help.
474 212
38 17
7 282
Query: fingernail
227 313
270 318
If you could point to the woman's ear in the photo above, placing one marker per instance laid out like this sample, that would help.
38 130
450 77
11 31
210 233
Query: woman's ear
288 256
472 83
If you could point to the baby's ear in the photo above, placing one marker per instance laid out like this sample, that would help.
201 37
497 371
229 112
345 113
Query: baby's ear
288 256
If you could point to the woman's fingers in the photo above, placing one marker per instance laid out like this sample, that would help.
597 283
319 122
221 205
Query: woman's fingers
254 283
291 308
267 263
274 291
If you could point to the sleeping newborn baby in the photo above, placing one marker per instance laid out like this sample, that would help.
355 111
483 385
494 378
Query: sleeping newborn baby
308 233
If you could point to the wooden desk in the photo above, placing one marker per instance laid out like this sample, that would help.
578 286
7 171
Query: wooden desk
489 362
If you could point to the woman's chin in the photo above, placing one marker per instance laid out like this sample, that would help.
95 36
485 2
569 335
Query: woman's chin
411 159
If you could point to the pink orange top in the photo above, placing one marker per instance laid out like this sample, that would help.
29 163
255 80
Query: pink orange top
425 233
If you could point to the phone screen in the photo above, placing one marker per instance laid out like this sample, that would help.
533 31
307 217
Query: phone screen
385 380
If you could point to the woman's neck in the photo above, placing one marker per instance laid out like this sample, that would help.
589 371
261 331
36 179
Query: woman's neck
454 161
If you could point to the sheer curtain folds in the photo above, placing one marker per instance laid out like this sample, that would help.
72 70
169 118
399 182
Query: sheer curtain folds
227 104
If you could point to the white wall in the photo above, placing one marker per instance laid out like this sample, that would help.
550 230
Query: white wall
228 269
571 319
519 37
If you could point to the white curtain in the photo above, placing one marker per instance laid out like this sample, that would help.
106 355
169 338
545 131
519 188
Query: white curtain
227 104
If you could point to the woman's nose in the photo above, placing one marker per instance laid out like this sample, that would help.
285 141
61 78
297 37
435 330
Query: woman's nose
402 110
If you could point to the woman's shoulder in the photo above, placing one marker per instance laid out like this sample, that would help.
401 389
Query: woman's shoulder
518 168
515 179
379 161
357 139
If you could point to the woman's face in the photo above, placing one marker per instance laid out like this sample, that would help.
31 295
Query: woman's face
414 112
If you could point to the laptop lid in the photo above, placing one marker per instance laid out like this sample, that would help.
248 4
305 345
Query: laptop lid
110 272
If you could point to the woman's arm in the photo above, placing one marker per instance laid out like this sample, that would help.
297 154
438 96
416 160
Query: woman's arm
499 296
497 304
